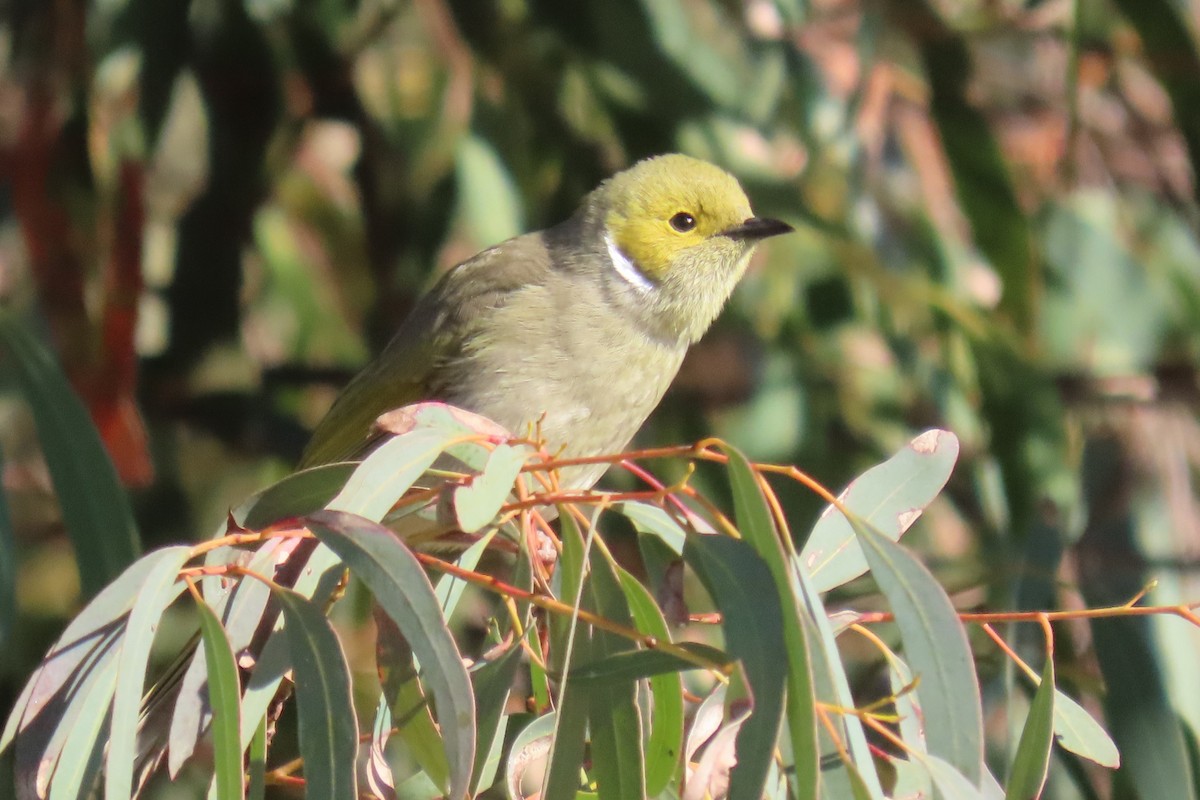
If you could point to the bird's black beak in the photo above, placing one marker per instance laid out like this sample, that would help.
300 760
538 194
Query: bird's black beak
757 228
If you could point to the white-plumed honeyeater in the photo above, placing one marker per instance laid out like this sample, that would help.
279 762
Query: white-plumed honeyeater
581 326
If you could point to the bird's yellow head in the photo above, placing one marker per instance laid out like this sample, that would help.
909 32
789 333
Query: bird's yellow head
681 231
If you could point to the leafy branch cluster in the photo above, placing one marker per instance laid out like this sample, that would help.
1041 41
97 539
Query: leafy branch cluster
612 697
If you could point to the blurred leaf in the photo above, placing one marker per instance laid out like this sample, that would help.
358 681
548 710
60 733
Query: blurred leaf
490 203
94 506
477 503
951 784
1143 724
651 519
65 701
296 495
328 724
732 573
1032 761
936 648
256 756
8 568
614 721
390 471
379 778
401 587
1170 47
644 663
225 698
982 182
890 497
492 682
1077 731
160 587
664 742
532 743
757 526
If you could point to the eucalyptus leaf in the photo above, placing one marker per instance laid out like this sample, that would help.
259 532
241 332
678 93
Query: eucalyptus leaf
225 698
94 505
402 589
328 725
889 497
936 648
1032 761
757 526
159 589
732 573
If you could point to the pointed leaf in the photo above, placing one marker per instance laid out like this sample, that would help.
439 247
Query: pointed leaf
328 725
757 526
936 648
157 592
889 497
402 589
94 505
1032 761
1076 730
225 699
733 573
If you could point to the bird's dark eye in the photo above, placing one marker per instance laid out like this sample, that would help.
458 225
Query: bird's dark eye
683 222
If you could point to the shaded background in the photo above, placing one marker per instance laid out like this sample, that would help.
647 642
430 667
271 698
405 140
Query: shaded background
214 211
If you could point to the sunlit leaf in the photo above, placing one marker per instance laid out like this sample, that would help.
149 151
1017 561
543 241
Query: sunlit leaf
733 575
890 497
328 726
225 698
936 648
758 528
401 588
1032 760
157 592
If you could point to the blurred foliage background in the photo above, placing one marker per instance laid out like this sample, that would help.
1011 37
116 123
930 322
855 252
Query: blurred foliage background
214 211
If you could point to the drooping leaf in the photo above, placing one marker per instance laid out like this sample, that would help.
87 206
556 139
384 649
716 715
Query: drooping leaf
757 526
664 742
890 497
225 698
1032 760
94 505
296 495
477 503
733 575
328 725
388 472
831 685
936 648
614 722
157 592
402 589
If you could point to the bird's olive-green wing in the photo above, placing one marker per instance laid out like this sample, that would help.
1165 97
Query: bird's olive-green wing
415 364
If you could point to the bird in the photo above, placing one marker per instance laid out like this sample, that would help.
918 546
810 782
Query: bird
578 329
